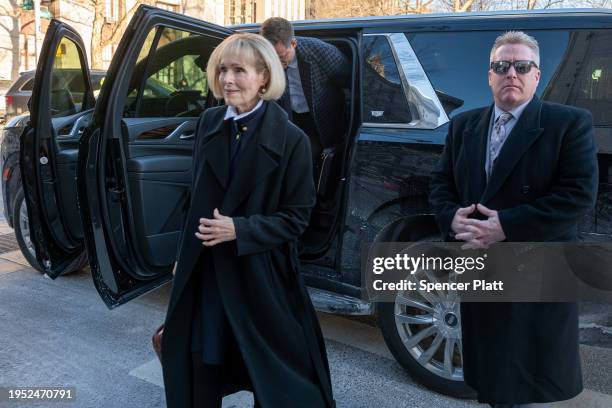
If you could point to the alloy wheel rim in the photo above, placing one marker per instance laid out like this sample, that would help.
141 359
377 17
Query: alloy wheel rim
429 326
24 225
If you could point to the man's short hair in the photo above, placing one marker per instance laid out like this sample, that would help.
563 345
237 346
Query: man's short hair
517 37
277 29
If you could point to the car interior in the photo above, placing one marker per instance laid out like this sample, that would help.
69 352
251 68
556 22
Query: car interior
149 166
330 169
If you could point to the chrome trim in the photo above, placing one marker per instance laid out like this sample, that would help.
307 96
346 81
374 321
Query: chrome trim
421 97
331 302
417 87
390 125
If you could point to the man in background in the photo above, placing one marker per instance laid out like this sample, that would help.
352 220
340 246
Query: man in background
316 73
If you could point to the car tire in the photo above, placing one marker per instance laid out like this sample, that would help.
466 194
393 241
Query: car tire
419 333
22 234
22 231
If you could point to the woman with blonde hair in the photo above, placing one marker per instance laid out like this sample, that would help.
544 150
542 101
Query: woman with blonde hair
239 315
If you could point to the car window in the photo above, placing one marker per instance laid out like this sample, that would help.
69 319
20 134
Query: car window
584 78
96 83
176 77
68 83
28 85
384 99
459 73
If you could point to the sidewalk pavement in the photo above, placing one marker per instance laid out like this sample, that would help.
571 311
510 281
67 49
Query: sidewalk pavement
11 258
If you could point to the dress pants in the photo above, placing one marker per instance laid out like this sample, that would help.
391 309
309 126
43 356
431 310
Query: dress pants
207 384
305 122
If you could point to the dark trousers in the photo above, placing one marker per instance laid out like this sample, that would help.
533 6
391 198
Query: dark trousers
207 384
305 122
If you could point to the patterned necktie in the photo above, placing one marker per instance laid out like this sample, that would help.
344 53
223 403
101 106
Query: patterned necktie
498 137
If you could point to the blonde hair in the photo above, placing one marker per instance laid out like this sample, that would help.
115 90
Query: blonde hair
517 37
254 50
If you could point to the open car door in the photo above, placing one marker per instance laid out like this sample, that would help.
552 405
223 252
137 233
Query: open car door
134 169
60 108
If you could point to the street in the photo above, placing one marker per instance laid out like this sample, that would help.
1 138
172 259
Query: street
60 334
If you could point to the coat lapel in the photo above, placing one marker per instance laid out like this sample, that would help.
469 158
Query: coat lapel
216 153
475 140
260 156
523 135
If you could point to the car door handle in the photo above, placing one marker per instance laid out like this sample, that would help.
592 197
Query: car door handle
187 135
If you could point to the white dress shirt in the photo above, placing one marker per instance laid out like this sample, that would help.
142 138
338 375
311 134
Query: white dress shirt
298 100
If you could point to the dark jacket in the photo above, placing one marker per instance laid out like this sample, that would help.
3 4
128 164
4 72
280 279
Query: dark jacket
265 301
324 70
544 180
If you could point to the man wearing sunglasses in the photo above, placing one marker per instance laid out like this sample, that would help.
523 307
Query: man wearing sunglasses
520 170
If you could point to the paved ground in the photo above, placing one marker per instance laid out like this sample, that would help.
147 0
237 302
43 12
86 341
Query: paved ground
60 334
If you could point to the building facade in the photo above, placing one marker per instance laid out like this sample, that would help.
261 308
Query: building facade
101 23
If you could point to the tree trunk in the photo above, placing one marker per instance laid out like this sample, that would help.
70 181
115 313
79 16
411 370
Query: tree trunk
15 37
97 47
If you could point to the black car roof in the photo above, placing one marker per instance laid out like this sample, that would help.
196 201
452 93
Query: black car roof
555 17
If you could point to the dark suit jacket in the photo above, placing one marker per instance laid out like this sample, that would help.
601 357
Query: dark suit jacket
544 180
324 70
269 197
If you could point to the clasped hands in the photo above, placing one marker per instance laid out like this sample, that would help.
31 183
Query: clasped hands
477 233
216 230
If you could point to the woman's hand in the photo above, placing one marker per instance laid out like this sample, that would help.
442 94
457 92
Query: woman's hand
216 230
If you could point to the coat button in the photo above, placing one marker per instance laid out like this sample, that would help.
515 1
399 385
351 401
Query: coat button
526 189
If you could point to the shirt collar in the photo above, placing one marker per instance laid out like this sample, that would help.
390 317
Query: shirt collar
516 112
232 113
294 63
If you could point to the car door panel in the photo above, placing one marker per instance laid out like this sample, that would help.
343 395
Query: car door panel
134 170
61 105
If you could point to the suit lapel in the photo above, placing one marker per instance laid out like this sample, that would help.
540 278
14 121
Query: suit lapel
523 135
260 156
216 152
475 140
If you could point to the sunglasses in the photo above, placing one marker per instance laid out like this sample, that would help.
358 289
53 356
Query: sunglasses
521 67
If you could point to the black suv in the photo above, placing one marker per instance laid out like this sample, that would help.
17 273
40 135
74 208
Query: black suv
110 178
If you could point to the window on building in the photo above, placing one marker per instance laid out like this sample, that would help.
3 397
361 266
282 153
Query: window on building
112 10
241 11
168 6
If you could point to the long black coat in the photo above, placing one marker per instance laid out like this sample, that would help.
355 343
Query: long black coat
544 180
265 301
